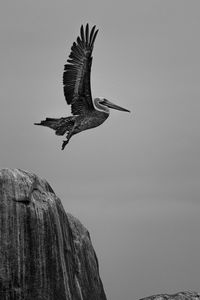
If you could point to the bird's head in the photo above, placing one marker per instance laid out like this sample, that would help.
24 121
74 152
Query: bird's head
104 105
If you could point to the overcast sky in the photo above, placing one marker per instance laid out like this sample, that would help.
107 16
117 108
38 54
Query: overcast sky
134 182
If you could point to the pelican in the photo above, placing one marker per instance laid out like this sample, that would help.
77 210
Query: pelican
86 112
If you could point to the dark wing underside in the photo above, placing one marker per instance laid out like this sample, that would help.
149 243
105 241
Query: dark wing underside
76 76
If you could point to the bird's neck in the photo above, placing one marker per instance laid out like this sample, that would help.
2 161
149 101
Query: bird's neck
98 106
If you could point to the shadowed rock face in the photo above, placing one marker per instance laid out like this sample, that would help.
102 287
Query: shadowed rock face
45 254
178 296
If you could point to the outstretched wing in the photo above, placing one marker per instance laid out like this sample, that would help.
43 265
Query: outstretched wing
76 76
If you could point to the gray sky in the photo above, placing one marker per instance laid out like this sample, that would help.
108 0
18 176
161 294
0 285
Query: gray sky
134 181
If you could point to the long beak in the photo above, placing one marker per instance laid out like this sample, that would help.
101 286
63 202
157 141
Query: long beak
112 105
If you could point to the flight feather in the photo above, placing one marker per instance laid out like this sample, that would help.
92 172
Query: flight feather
76 76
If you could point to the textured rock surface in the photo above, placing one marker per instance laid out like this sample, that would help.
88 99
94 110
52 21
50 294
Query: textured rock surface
178 296
45 254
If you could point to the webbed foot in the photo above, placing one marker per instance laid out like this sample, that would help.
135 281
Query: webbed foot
64 144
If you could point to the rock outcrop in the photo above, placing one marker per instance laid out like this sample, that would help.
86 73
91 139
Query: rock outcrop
178 296
45 254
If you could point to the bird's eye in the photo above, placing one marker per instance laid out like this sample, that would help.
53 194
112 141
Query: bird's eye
102 101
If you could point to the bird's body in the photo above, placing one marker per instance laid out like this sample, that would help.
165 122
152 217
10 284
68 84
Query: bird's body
86 112
93 119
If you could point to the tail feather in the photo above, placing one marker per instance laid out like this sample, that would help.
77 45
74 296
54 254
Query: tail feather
61 126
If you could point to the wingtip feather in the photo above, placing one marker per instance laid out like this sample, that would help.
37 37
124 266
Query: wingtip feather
86 33
94 37
82 33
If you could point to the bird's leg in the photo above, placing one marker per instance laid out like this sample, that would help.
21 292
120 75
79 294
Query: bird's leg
69 135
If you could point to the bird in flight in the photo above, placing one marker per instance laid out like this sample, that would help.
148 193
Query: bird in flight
86 112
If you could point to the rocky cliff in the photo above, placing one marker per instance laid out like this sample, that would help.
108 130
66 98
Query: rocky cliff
178 296
45 254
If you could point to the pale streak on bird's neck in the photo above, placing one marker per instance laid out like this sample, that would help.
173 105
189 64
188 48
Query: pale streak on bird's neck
100 107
